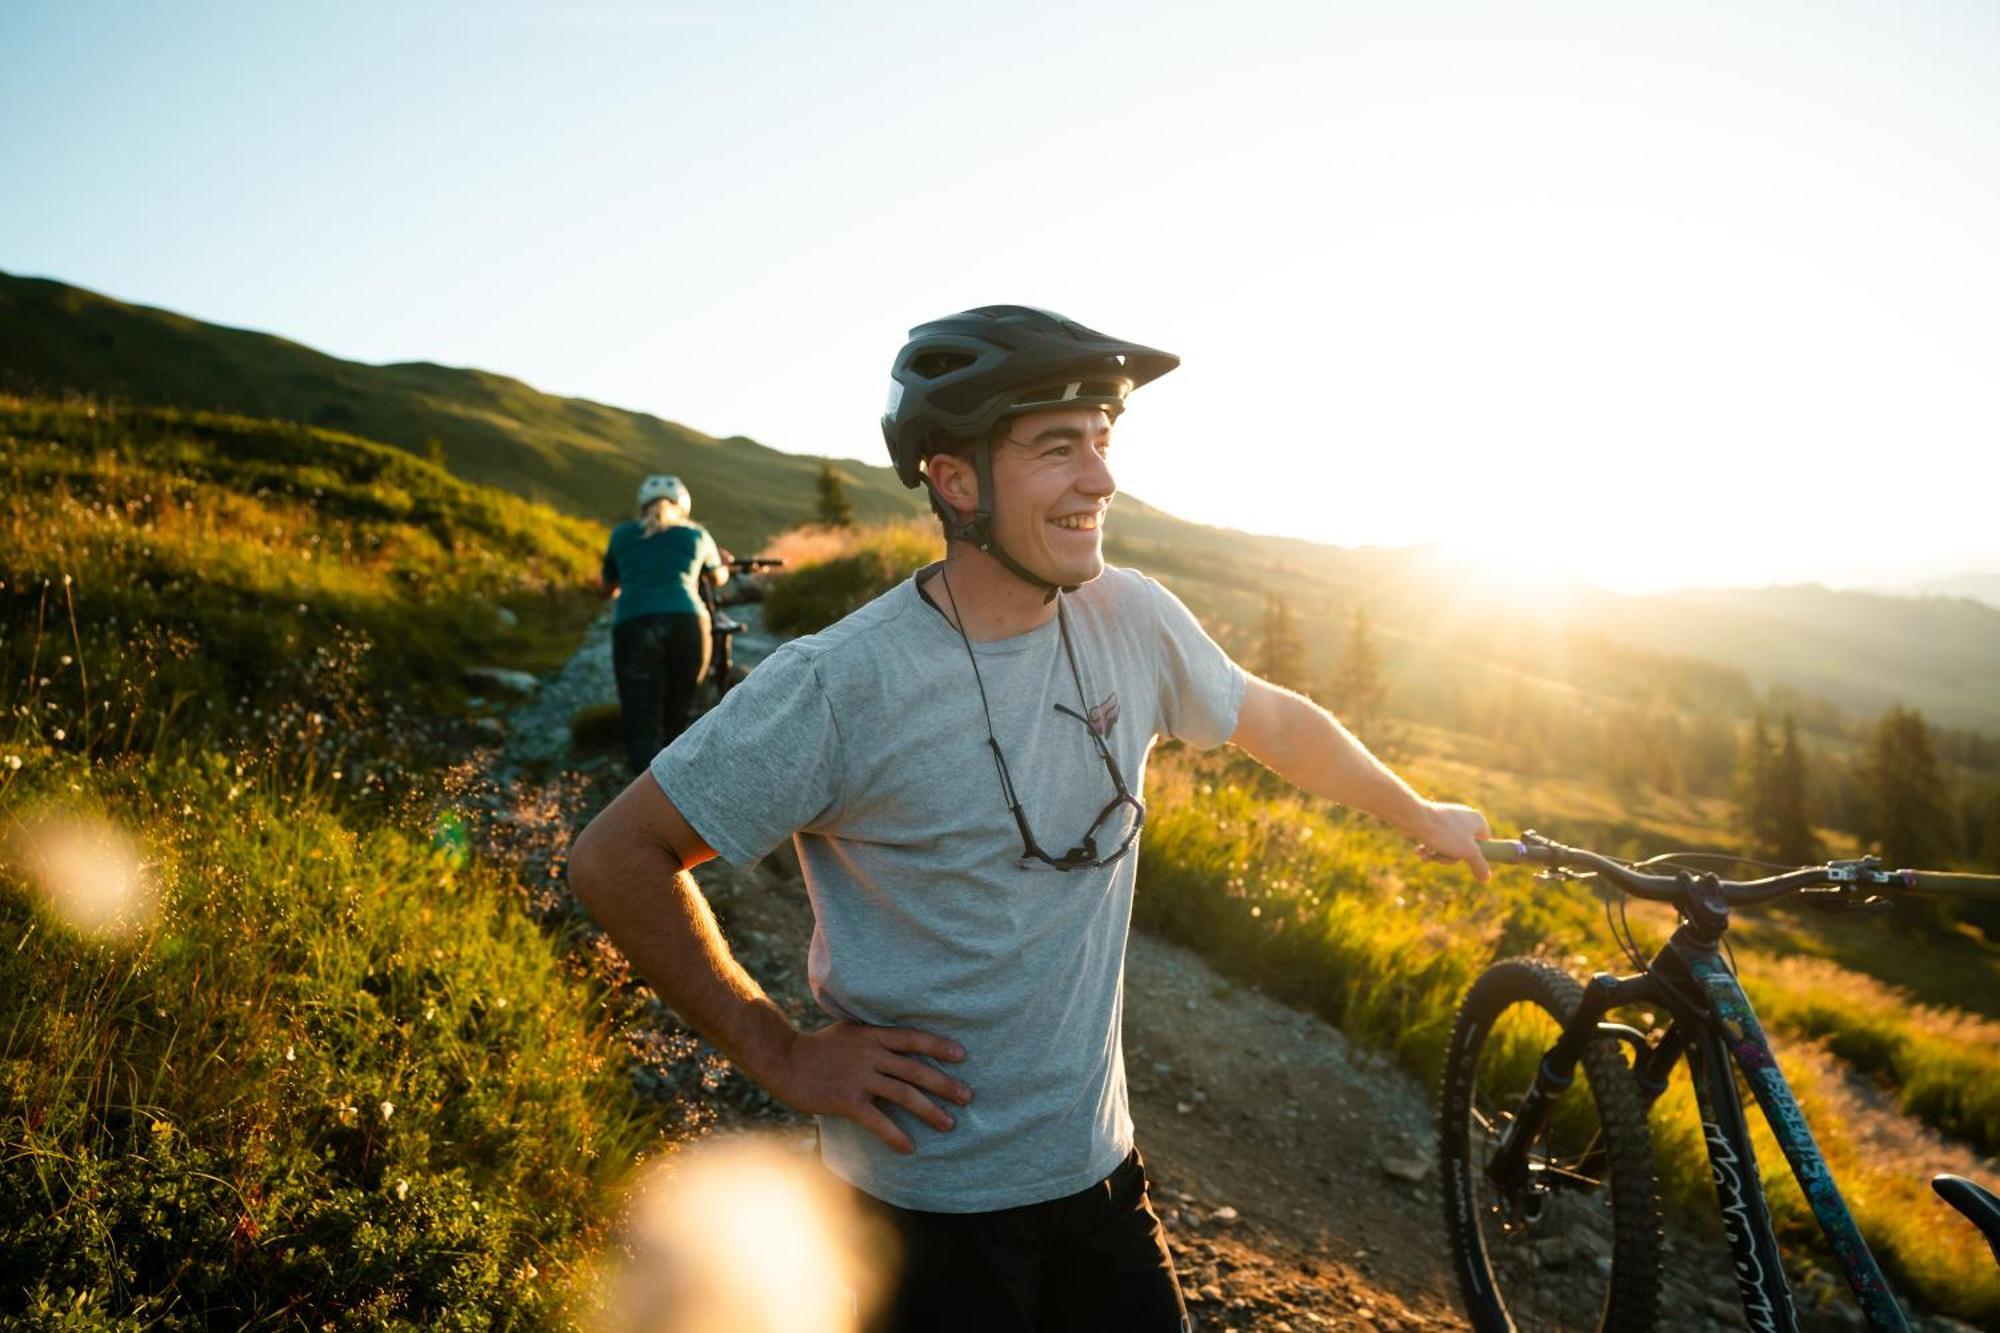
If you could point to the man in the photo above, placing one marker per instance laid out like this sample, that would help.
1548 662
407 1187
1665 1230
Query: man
961 763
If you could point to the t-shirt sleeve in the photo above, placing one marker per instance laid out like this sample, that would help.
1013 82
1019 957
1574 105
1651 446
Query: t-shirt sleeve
1201 687
706 553
760 766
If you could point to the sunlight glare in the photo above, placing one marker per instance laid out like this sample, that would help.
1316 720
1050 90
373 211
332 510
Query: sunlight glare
87 871
744 1235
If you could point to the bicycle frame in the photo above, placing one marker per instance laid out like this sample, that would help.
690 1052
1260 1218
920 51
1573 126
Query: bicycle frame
1716 1030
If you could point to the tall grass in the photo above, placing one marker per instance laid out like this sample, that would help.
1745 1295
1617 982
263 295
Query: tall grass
340 1076
1339 917
215 556
832 571
334 1075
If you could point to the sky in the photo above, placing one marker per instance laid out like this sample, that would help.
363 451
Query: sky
1648 295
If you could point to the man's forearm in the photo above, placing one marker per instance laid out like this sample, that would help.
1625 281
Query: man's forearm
657 916
1308 747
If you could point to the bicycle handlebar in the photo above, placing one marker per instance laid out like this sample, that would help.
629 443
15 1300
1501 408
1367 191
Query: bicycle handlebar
755 562
1839 876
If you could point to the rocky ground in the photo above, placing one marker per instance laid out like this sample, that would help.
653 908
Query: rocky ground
1294 1172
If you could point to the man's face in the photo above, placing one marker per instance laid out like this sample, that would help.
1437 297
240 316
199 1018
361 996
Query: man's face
1052 486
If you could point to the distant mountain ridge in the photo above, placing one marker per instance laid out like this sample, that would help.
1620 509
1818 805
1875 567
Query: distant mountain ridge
1982 588
1862 651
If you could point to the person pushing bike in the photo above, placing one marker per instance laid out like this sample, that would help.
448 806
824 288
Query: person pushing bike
961 765
655 566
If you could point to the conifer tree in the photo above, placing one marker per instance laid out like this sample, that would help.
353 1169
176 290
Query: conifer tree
831 506
1908 813
1281 654
1356 689
1789 818
1753 780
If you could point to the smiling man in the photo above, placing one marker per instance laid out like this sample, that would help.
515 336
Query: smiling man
961 763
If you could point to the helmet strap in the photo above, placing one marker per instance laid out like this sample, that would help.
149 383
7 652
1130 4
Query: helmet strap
978 529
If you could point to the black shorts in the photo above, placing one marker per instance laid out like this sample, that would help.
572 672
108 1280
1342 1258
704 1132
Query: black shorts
1091 1261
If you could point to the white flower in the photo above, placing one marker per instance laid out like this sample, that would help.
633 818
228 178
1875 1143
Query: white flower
402 1189
290 1055
14 762
60 733
388 1109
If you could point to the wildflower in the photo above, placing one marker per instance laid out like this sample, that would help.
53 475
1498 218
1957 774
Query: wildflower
348 1115
402 1189
290 1055
14 762
60 733
67 659
388 1109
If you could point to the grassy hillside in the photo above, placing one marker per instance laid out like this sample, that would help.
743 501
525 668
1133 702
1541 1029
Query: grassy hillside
1330 913
579 456
217 561
326 1063
1859 651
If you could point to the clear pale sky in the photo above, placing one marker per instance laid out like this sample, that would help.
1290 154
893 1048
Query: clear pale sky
1691 293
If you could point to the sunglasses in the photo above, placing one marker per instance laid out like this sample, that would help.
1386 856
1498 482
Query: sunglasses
1083 856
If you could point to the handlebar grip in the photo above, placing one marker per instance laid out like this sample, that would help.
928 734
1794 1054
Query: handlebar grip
1503 851
1958 885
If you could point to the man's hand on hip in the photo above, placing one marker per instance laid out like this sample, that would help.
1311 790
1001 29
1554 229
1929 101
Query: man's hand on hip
845 1069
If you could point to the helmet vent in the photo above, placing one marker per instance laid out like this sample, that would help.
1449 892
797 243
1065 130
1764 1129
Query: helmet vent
935 365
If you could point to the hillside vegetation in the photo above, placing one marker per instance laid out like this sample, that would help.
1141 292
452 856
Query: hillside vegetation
319 1061
578 456
1457 638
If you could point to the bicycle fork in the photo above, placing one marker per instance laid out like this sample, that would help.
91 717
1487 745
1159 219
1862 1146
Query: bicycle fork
1723 1030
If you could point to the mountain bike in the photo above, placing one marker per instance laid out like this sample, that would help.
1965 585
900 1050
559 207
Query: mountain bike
1551 1198
723 628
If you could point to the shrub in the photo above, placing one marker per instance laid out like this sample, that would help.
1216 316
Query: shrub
831 572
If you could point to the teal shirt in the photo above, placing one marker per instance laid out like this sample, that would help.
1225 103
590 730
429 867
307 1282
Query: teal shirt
658 574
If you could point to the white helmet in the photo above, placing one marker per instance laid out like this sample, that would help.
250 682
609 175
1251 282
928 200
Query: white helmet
665 488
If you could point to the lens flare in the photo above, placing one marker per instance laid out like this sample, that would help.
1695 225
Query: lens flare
746 1235
87 871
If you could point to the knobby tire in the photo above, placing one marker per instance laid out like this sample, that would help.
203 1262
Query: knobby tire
1555 1276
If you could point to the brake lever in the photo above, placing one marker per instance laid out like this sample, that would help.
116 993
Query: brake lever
1848 900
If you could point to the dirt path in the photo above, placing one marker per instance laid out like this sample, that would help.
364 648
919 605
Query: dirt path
1294 1172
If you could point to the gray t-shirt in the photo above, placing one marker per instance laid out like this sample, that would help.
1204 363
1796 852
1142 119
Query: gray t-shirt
867 742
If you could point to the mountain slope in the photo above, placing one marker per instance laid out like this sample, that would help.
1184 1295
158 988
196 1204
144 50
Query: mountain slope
577 455
1436 616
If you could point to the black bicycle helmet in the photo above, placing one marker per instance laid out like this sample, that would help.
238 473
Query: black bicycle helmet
960 376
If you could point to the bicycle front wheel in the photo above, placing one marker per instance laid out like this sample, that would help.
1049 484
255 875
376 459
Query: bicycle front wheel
1576 1243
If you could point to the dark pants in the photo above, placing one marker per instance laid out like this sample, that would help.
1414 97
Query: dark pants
1090 1261
659 662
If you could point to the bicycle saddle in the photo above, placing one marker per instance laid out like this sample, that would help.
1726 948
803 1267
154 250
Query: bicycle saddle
1976 1202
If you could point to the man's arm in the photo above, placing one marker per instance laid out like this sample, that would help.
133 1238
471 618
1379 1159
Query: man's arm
629 868
1302 743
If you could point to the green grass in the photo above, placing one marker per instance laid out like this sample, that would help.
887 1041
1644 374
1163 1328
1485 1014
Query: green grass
341 1073
335 1074
830 572
1336 915
582 457
216 561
